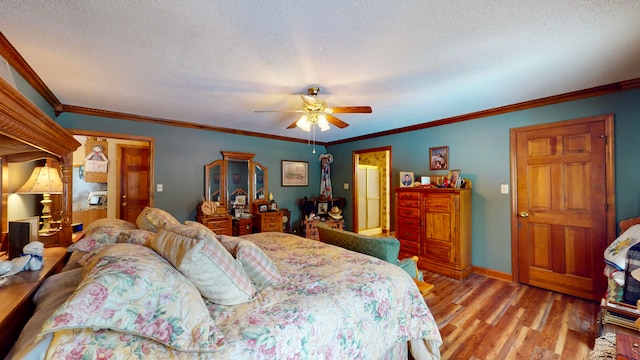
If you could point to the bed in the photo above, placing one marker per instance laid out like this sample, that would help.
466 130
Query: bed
147 290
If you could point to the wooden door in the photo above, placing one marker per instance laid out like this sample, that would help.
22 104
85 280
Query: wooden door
134 181
561 206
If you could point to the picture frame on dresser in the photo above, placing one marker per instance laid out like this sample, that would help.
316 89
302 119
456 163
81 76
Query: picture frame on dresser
406 179
454 178
439 158
295 173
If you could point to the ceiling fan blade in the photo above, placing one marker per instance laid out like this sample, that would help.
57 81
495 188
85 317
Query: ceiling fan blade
335 121
285 111
352 109
293 124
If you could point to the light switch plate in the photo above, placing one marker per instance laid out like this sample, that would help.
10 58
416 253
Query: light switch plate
159 187
346 186
504 188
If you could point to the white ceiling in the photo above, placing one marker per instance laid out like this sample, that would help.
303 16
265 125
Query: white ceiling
215 62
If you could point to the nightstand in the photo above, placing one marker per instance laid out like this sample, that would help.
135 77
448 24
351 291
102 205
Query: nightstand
16 294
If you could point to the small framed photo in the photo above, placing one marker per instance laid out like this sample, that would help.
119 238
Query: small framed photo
406 179
236 178
273 206
323 208
454 178
295 173
439 158
263 207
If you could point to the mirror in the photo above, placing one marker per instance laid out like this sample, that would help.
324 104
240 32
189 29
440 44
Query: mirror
260 182
213 180
236 180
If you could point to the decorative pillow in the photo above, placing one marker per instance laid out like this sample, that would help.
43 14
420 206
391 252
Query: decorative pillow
261 270
135 236
154 219
201 258
100 233
199 225
131 289
616 253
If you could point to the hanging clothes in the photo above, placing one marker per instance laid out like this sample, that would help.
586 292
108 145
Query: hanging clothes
325 180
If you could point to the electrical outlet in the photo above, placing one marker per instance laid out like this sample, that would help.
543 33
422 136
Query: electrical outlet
159 187
504 188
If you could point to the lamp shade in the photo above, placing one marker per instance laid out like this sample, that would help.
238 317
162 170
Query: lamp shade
43 180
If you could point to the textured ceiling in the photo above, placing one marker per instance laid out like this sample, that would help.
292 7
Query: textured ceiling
215 62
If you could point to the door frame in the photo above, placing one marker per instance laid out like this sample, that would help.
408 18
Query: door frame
354 176
610 196
152 149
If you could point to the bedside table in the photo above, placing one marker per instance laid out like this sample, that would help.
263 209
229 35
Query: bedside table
16 294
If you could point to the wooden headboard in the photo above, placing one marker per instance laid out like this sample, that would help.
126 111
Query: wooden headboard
27 133
626 224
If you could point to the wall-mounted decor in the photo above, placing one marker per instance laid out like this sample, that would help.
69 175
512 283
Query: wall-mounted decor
439 158
96 161
406 179
295 173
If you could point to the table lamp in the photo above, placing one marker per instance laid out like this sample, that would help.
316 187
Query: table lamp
45 181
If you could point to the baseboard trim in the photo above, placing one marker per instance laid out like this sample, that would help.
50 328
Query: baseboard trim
492 273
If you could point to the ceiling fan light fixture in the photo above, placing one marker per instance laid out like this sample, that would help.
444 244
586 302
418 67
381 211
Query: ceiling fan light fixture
323 123
304 123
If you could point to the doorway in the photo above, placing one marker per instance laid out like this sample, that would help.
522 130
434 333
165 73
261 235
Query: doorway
130 167
372 191
563 204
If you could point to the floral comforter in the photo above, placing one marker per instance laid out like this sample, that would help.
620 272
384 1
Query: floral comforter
334 304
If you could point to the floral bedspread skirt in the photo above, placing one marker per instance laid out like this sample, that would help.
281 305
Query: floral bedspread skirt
334 304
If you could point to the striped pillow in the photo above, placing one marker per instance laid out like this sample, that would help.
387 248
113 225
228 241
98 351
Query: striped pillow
200 257
261 270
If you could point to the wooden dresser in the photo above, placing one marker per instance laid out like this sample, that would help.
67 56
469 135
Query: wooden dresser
311 226
267 221
435 224
16 294
218 223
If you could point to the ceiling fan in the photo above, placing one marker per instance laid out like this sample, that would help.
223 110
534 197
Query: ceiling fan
316 112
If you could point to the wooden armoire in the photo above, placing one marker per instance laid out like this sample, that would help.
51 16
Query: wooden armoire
435 224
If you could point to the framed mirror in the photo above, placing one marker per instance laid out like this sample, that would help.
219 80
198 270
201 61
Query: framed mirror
236 180
214 174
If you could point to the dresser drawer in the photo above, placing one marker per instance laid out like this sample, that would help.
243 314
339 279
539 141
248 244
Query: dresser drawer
411 223
437 203
409 203
408 196
409 212
436 251
408 234
409 247
271 226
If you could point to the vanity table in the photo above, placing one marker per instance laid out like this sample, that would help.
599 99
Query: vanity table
237 181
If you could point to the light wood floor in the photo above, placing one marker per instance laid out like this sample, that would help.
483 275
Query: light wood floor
485 318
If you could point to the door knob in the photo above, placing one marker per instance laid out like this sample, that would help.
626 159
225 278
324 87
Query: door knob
524 214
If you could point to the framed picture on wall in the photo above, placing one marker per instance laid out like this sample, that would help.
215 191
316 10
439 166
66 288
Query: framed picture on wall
295 173
439 158
406 179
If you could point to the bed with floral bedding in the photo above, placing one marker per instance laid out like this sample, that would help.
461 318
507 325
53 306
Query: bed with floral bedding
178 291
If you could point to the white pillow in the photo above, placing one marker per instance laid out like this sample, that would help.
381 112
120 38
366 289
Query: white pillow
153 219
616 253
201 258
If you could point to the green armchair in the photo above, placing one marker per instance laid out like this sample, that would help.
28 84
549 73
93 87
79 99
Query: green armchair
383 248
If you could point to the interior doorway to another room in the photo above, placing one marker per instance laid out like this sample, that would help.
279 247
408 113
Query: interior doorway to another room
99 194
372 189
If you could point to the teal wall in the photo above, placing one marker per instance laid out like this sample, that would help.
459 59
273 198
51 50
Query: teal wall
480 148
181 154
